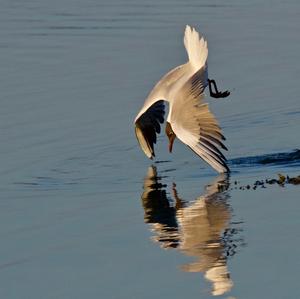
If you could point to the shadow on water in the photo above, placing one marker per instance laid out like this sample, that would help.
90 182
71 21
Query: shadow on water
201 229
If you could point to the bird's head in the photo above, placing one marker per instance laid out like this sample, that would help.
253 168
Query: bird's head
171 135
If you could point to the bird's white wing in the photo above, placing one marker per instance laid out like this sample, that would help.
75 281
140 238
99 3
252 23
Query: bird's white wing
148 120
195 125
147 125
162 88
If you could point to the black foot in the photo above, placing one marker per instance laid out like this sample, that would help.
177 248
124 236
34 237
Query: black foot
216 94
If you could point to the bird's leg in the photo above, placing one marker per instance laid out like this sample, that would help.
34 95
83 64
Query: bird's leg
215 85
209 86
216 93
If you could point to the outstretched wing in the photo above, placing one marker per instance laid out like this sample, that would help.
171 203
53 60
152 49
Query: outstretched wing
148 125
195 125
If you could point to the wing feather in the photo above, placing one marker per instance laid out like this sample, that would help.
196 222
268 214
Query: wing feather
195 125
148 125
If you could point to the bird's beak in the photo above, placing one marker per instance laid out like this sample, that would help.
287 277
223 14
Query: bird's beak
171 141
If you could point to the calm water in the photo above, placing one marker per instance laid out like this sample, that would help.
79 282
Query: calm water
83 214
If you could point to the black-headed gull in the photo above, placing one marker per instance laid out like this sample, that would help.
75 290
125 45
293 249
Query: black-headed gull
189 117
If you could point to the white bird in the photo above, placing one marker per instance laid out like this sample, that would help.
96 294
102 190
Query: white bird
189 117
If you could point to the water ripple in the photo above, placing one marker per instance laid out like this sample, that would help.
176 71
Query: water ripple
282 158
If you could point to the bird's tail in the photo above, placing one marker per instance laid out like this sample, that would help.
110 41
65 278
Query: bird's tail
196 47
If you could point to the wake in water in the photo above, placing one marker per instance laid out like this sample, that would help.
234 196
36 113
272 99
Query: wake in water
286 159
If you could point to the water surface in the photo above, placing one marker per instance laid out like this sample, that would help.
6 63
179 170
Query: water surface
75 219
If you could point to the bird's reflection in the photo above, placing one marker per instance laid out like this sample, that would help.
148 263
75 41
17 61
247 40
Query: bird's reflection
201 229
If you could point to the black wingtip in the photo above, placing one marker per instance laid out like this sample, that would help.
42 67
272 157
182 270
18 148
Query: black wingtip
224 147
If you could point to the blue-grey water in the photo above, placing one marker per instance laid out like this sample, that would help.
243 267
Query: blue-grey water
83 214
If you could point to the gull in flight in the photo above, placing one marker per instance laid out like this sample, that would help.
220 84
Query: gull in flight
189 118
